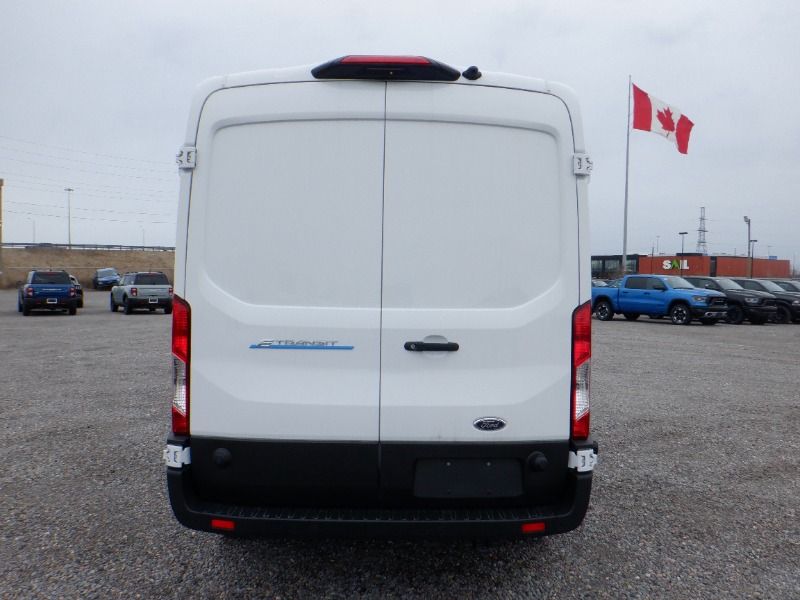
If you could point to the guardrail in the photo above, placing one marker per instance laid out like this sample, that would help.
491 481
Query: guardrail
31 245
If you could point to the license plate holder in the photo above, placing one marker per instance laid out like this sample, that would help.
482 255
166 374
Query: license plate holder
468 478
52 301
152 300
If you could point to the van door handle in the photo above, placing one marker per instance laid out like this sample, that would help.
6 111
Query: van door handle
431 346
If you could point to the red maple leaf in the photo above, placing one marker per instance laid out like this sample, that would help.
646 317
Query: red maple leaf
665 118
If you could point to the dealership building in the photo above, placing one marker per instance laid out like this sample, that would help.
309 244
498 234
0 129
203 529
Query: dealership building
607 266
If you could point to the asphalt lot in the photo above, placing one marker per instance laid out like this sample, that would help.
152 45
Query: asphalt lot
696 494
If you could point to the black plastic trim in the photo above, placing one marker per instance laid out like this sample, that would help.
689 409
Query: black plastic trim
388 71
282 521
558 497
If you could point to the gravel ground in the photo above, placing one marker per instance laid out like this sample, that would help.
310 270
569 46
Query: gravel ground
695 496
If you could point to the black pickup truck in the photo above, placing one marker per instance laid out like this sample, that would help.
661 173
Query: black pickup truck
755 306
788 302
47 290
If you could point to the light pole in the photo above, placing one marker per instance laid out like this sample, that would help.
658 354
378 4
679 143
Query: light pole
752 250
683 238
69 191
657 238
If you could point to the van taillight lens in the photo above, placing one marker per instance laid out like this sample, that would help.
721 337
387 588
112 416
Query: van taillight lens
181 336
371 59
581 370
134 292
414 68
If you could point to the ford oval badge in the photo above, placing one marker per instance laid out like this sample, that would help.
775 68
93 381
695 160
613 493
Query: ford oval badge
489 424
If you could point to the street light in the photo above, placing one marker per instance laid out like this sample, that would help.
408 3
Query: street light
752 250
69 191
683 238
749 241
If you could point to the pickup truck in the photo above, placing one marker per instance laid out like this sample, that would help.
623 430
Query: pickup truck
47 290
757 307
659 296
150 290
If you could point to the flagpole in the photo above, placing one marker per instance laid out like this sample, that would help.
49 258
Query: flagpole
627 164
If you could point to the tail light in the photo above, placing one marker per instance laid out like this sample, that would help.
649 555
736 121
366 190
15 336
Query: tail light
134 292
181 333
29 292
71 292
581 370
416 68
169 291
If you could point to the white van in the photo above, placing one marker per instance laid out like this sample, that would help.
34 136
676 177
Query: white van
382 304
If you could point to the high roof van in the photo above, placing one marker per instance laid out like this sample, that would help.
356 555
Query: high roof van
381 318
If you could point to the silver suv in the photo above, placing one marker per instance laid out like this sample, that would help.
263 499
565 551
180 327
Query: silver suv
150 290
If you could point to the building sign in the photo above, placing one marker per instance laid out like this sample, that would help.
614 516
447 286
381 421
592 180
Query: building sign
674 265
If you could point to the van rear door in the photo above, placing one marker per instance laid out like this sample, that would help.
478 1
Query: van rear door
480 249
283 270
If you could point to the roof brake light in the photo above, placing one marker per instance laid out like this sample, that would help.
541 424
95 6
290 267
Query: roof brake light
367 59
383 68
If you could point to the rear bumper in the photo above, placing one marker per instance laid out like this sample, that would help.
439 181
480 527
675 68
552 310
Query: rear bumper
41 303
144 302
392 513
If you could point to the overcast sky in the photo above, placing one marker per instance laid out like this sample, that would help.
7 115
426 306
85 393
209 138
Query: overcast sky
94 95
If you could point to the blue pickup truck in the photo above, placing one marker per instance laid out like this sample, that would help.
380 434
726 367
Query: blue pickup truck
47 290
658 296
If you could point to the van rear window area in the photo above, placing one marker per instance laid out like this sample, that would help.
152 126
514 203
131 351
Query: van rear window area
58 277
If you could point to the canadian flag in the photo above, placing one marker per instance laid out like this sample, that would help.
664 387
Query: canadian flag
651 114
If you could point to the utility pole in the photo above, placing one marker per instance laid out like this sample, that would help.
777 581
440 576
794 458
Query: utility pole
69 191
1 228
747 220
683 238
1 211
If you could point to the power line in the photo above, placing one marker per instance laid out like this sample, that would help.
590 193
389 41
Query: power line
19 212
82 184
64 148
86 162
115 197
49 166
127 212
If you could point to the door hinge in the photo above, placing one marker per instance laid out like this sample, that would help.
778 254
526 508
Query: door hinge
582 460
582 165
186 157
177 456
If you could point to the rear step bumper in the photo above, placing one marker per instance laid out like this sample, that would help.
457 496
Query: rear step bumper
280 520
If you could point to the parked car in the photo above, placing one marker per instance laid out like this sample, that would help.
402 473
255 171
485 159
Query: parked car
105 278
147 289
47 290
755 306
788 302
659 296
790 285
411 368
78 290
